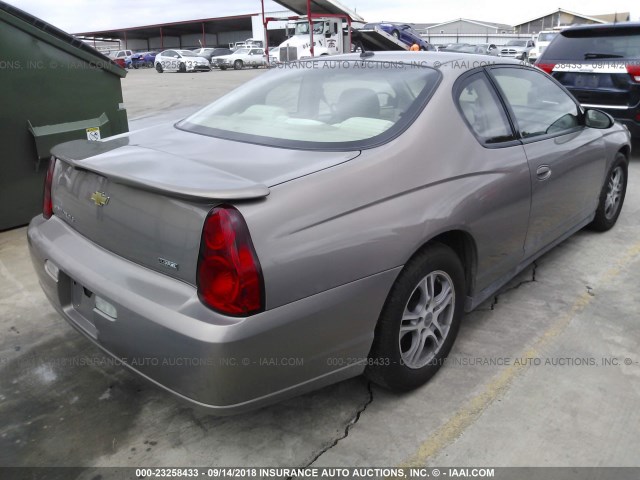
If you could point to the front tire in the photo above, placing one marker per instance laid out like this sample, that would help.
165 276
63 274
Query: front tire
612 195
159 68
237 65
419 321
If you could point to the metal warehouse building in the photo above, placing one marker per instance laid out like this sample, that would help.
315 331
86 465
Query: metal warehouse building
209 32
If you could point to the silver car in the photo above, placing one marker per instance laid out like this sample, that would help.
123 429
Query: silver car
327 219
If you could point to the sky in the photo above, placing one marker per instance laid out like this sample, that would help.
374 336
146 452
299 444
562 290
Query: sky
90 15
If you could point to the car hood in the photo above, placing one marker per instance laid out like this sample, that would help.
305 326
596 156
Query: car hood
189 165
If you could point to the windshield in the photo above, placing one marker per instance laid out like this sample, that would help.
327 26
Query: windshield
320 104
187 53
242 51
517 43
547 36
302 28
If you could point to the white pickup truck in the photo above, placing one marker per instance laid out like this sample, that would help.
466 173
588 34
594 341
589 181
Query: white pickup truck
542 42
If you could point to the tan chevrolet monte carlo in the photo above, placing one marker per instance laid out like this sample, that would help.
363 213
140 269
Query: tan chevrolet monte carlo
330 218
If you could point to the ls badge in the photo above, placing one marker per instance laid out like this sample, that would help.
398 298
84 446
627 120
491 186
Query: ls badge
99 198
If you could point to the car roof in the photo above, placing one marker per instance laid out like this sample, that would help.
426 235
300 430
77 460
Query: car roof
604 26
450 63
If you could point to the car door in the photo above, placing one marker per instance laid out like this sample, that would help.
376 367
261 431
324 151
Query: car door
501 218
405 35
566 158
170 60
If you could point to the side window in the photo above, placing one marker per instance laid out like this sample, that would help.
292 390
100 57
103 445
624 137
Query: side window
483 111
540 106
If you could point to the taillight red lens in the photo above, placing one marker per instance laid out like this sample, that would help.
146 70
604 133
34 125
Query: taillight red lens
546 67
229 274
47 203
634 71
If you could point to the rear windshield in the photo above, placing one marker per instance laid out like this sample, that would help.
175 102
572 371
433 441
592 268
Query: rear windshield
594 44
321 104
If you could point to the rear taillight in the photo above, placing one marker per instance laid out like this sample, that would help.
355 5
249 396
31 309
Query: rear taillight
47 203
634 71
546 67
229 274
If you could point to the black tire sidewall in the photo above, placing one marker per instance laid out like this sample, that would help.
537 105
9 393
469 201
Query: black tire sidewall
385 366
601 222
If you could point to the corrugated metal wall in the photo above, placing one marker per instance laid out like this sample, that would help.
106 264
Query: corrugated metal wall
474 39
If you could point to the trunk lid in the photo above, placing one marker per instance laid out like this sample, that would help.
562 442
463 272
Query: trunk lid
144 196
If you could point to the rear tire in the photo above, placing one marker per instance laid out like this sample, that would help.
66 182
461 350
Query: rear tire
612 195
159 68
419 321
182 68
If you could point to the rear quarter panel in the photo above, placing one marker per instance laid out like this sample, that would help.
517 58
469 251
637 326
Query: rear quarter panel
373 213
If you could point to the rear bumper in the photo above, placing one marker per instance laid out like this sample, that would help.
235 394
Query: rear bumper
225 365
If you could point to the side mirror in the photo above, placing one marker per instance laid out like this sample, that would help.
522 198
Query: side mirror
598 119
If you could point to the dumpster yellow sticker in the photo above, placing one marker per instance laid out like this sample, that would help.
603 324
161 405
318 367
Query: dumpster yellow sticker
93 133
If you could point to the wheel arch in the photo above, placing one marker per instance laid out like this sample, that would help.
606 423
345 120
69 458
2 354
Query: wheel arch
464 246
626 151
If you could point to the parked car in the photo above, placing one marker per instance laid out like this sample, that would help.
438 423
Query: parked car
181 61
480 49
248 43
454 47
542 42
600 65
120 62
122 58
274 55
517 49
244 57
294 233
210 53
143 59
403 32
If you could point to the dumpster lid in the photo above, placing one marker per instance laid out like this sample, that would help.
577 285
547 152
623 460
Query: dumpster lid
56 37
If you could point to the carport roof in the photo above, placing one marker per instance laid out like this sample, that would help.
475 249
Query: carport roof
210 25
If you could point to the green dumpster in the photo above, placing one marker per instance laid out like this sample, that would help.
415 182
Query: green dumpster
53 88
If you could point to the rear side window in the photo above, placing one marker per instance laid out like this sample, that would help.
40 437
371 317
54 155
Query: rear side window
590 44
483 111
540 106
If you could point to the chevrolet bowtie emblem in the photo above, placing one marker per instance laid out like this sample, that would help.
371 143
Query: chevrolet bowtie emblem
99 198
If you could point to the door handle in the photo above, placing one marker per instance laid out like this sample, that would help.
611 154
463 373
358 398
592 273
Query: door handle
543 172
